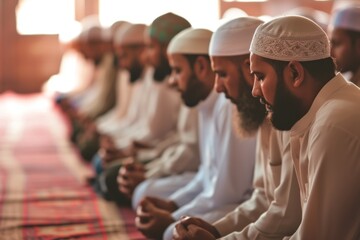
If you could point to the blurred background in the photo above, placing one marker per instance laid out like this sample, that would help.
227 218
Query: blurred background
32 31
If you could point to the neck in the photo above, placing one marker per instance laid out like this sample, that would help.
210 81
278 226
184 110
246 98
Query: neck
209 82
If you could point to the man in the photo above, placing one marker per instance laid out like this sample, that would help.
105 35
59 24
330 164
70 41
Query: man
160 104
129 46
273 211
88 141
295 79
216 189
163 105
179 155
345 41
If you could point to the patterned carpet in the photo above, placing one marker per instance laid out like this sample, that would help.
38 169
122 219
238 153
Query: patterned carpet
43 194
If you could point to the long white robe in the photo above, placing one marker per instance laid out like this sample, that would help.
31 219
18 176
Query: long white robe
325 147
274 210
180 160
183 154
106 123
74 75
159 112
101 96
139 91
227 164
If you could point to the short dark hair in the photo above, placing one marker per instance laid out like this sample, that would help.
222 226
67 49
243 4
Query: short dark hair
322 70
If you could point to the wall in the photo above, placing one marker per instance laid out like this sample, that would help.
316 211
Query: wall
274 7
1 46
26 62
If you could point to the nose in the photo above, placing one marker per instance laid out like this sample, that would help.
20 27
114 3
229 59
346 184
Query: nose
219 85
256 90
172 81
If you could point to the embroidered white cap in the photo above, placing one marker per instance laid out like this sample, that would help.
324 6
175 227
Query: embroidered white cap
234 37
190 41
290 38
129 34
347 18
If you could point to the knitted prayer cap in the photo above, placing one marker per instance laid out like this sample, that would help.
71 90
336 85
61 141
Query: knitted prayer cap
290 38
346 18
190 41
166 26
117 25
130 34
234 37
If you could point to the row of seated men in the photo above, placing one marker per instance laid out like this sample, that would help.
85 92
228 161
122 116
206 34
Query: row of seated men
247 132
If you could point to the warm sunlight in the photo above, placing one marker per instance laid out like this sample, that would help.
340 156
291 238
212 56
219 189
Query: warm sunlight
137 11
32 19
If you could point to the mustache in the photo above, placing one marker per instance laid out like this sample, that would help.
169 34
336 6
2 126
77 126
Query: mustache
263 101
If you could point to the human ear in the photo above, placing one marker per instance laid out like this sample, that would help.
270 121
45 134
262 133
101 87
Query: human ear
246 71
296 72
201 65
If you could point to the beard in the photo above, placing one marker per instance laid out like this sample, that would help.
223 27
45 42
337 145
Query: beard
250 112
194 93
286 110
135 72
162 70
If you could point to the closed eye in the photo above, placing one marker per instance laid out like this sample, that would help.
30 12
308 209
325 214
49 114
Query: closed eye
221 74
258 77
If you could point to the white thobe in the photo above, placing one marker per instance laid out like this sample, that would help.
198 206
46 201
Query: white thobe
227 164
106 122
183 154
139 92
102 96
180 160
159 114
325 147
274 210
73 75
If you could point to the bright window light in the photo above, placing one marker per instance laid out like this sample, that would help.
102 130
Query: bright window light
245 0
137 11
43 16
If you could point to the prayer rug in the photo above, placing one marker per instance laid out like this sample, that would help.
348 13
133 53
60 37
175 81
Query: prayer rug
43 194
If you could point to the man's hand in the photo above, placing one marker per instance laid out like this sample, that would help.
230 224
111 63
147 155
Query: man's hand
152 221
130 175
167 205
194 228
108 151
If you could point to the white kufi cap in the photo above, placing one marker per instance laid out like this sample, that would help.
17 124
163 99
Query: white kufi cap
190 41
130 34
346 18
234 37
290 38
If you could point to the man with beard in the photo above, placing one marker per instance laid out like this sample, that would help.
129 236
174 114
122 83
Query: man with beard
160 115
273 211
159 108
129 47
344 31
225 174
180 160
295 78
